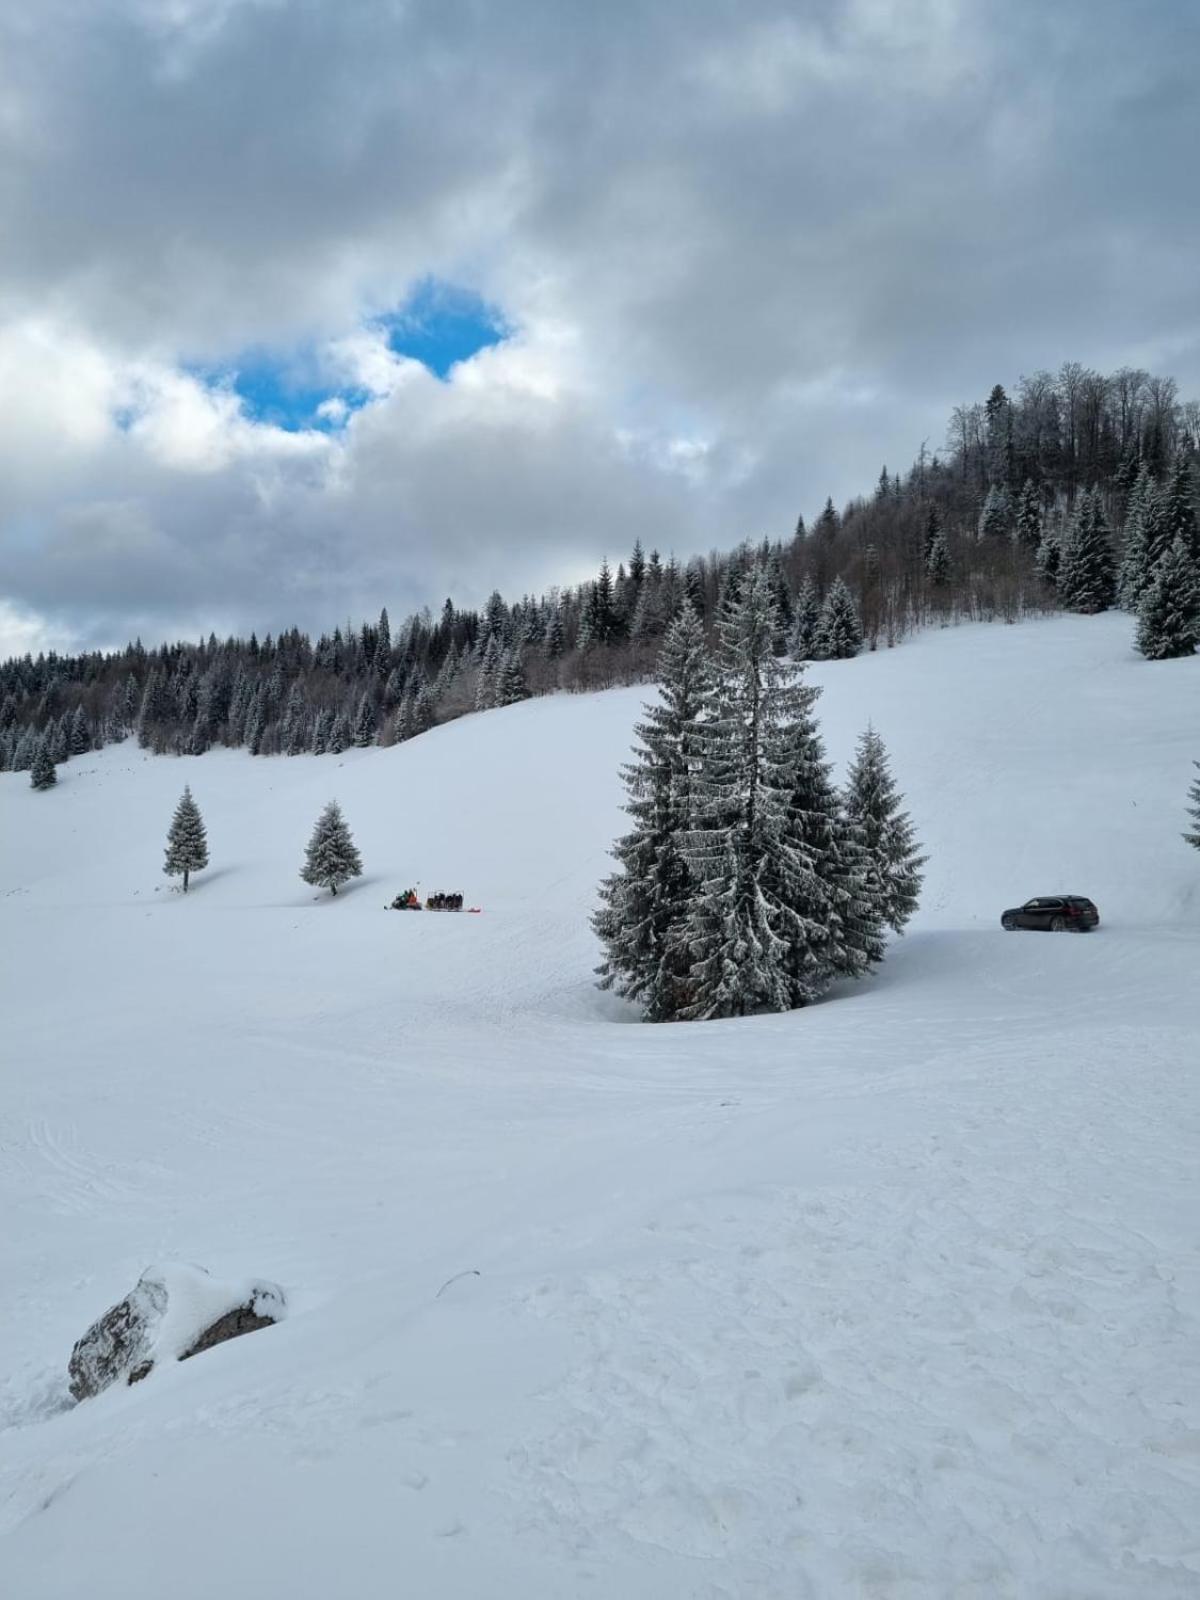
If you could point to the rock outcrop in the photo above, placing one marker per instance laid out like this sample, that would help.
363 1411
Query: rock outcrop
171 1314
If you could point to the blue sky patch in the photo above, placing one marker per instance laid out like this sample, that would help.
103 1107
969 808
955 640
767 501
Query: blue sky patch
441 324
287 392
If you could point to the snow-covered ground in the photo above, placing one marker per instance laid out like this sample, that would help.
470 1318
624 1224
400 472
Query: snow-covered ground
897 1296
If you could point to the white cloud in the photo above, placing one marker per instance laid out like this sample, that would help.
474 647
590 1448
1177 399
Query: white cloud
24 633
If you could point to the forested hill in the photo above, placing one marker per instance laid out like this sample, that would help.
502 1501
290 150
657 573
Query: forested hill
1077 492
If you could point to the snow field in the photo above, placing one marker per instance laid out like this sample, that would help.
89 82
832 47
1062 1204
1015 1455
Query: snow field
895 1296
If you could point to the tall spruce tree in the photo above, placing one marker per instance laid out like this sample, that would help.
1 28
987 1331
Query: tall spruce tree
322 731
42 773
893 856
1086 579
424 711
933 526
1134 572
758 924
331 858
365 723
844 935
642 917
806 615
996 517
1194 808
1179 509
187 842
1169 611
489 671
1048 559
510 679
81 735
1028 526
839 632
339 734
937 562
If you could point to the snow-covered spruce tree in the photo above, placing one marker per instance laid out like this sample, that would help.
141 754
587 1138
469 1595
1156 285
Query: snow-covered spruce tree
81 734
322 731
759 923
644 906
996 517
489 669
1086 579
424 711
42 774
1169 612
893 856
1028 526
845 929
555 643
1048 559
933 526
806 615
187 843
1134 572
1194 808
25 751
331 857
339 734
937 562
365 723
1179 509
839 631
510 679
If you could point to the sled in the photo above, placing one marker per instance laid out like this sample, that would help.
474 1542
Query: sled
457 911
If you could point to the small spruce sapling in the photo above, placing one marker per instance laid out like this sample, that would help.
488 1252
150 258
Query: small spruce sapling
187 844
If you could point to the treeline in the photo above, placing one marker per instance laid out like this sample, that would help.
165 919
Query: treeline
1077 493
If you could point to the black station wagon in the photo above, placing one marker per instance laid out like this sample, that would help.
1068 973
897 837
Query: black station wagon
1054 913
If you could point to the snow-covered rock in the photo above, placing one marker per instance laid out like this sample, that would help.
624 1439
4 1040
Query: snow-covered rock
171 1313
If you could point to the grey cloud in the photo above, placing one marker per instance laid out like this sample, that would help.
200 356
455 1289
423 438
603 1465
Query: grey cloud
799 234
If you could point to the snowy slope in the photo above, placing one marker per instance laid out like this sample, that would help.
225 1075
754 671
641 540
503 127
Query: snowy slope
896 1296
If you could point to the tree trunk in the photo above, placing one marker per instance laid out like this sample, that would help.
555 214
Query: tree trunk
185 879
333 888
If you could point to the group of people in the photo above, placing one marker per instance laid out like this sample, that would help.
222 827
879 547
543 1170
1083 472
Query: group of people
410 901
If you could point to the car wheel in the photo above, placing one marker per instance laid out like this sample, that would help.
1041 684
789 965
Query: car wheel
1057 924
1008 924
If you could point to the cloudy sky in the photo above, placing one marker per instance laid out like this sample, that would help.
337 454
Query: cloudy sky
309 306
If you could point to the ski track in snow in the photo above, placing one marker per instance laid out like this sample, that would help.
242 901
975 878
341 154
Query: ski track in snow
898 1296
